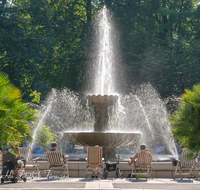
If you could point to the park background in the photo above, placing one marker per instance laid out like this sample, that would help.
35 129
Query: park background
44 44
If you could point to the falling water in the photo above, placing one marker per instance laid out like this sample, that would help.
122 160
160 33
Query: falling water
166 130
48 108
144 111
148 124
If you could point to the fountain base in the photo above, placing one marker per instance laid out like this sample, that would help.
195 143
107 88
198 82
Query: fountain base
108 140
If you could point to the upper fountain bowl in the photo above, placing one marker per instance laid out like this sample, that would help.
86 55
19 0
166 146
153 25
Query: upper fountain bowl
102 99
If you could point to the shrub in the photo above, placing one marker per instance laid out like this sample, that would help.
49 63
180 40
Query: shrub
186 120
15 115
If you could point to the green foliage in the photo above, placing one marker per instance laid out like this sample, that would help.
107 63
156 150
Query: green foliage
22 47
15 115
70 21
186 120
140 176
45 136
36 96
160 41
43 43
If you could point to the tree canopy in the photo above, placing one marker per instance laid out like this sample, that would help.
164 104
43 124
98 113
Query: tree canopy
43 43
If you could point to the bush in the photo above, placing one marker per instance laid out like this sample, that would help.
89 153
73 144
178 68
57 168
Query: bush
186 120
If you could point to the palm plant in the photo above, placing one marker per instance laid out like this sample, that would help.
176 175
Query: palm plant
186 120
15 115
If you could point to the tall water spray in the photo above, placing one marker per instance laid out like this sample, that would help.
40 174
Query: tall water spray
104 56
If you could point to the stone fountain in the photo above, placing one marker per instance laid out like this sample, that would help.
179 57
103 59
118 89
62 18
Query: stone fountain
142 111
104 78
101 135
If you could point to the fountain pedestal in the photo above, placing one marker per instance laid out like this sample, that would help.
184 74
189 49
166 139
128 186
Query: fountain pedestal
101 135
101 104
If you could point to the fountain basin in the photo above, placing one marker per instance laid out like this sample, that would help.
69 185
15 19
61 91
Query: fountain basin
105 139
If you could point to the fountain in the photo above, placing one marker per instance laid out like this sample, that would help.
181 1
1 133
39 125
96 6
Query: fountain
107 118
104 96
101 136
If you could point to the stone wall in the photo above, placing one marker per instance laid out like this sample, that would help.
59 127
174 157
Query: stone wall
78 169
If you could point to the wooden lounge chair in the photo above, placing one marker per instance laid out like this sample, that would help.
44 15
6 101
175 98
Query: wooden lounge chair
143 162
94 161
57 164
185 162
31 164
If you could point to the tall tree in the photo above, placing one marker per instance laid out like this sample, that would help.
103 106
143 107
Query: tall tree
158 40
71 20
22 47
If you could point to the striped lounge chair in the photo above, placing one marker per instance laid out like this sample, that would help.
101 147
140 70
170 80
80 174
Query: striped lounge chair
57 164
186 163
143 163
94 163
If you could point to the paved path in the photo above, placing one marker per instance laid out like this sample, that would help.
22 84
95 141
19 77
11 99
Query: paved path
104 184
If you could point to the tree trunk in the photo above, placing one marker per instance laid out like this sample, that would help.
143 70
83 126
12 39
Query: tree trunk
88 10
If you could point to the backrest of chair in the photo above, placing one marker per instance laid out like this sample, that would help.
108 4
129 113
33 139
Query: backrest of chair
185 160
55 158
26 153
144 157
10 158
94 155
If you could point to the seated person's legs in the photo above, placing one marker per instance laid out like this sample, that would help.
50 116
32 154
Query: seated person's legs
16 172
19 167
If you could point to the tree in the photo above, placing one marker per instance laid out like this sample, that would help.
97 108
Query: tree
15 115
186 120
23 45
70 21
43 43
160 42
